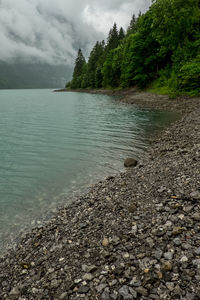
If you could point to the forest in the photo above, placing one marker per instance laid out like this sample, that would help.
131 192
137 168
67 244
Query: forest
160 52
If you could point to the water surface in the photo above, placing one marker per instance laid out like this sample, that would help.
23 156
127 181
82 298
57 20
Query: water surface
53 144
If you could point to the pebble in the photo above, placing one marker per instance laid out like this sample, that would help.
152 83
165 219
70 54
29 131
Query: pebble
124 291
167 266
87 277
141 291
183 259
105 242
168 255
197 251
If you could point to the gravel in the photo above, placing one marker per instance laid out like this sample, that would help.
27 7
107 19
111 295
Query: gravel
132 236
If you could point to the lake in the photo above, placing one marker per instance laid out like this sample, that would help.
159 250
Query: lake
57 144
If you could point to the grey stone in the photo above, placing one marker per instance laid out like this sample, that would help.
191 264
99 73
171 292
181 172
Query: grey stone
124 291
87 277
195 195
158 254
133 293
197 251
141 291
83 289
177 241
130 162
105 296
196 216
101 287
135 282
89 268
63 296
168 255
14 292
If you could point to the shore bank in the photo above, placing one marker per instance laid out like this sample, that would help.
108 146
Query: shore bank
132 236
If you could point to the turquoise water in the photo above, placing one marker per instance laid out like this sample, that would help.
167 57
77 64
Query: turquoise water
55 144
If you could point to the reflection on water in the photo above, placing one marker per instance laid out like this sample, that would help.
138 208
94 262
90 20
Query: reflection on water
53 144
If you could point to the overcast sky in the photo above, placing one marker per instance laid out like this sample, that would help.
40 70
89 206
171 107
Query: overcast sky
52 30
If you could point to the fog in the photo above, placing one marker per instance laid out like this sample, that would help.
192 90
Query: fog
51 31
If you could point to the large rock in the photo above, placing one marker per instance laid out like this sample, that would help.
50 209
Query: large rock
130 162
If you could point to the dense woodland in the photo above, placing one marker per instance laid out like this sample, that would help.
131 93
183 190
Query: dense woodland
160 50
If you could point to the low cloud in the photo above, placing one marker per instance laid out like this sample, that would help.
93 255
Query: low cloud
51 31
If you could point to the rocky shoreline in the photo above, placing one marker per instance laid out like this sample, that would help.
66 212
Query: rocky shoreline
132 236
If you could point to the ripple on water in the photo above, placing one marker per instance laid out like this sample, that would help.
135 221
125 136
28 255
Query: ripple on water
53 144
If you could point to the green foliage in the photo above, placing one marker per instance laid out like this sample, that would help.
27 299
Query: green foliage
160 49
95 60
68 85
189 76
112 68
113 38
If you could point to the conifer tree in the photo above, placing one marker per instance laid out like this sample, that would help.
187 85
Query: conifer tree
95 61
113 38
121 34
132 25
78 70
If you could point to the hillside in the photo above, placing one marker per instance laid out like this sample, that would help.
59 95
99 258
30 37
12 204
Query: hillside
160 51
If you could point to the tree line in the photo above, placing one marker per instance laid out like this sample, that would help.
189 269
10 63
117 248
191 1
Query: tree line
160 49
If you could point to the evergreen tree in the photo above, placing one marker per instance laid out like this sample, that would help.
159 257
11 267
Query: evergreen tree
132 26
161 46
78 70
113 38
121 34
95 61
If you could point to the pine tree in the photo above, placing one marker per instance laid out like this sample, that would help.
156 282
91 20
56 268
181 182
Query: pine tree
78 70
121 34
79 63
95 60
113 38
132 26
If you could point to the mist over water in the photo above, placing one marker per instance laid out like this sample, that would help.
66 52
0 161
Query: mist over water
55 144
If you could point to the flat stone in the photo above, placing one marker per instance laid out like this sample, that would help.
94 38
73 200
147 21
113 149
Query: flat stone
101 287
87 277
142 291
88 268
83 289
105 296
14 292
195 195
63 296
196 216
188 209
177 230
